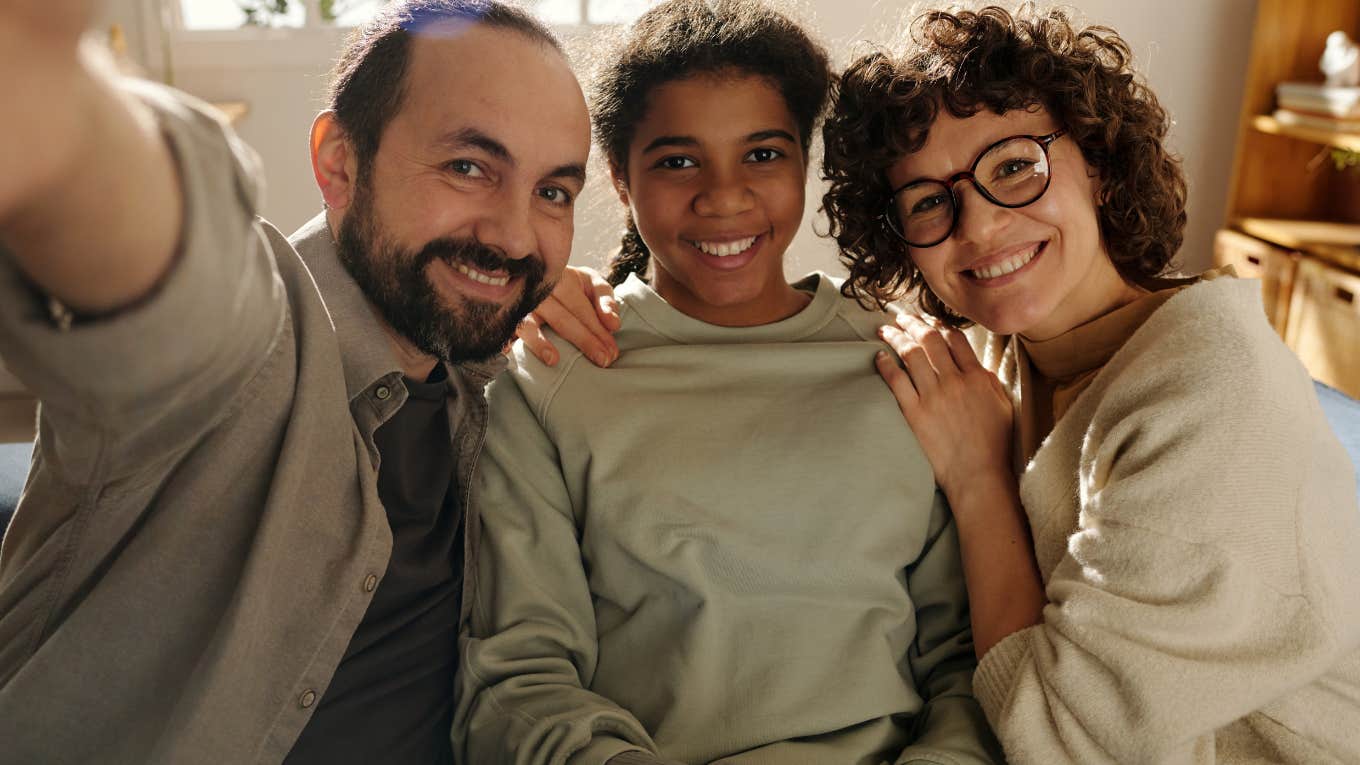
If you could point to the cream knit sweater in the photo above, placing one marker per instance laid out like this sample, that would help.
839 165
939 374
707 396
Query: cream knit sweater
1196 526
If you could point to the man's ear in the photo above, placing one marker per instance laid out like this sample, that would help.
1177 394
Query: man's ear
619 180
333 161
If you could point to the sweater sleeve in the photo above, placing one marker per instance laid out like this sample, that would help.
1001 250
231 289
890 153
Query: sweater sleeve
951 728
1206 576
529 648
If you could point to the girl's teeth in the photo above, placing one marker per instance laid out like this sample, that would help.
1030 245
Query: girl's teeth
478 276
723 249
1006 266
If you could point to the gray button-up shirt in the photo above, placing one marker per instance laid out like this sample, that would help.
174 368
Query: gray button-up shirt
200 533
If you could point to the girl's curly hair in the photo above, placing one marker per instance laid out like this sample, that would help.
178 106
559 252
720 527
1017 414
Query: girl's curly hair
684 38
967 61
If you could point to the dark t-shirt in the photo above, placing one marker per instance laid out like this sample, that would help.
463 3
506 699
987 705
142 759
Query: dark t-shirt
391 699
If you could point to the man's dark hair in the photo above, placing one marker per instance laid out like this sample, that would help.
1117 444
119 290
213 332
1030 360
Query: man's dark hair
368 82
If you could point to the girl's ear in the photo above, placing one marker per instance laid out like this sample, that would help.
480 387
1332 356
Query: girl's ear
619 180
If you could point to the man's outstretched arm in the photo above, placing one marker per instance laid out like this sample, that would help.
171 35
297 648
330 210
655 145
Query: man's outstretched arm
90 207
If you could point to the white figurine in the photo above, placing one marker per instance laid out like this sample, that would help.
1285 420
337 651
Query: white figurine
1341 61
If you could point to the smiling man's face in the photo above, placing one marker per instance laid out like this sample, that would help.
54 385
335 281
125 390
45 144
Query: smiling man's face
463 222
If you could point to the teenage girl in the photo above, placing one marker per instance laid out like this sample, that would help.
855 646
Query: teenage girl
728 548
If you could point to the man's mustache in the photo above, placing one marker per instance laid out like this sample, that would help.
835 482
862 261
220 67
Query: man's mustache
477 255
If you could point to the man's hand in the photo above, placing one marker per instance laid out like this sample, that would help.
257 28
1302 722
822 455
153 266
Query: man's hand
39 68
581 309
90 204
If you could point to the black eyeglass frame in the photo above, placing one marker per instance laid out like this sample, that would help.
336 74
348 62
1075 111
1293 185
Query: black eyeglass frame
1044 142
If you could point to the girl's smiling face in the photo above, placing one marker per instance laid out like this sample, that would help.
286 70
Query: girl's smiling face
1037 270
715 181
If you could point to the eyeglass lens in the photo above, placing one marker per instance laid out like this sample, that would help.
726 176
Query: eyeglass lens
1010 174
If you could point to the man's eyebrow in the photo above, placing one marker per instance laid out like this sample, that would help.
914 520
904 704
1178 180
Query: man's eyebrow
472 137
572 171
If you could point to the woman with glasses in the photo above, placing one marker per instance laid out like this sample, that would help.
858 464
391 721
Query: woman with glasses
1159 530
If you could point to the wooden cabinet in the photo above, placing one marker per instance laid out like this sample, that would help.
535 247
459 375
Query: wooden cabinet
16 409
1324 323
1252 258
1293 214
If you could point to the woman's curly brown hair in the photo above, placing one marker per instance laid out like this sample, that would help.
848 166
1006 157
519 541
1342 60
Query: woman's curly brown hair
993 59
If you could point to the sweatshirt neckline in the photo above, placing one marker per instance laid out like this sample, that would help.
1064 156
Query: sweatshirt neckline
666 320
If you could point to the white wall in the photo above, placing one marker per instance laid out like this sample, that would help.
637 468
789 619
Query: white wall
1194 54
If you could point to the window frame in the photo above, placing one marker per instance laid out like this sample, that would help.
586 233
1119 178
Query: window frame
251 48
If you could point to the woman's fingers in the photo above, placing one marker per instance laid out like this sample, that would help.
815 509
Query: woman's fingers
898 382
531 333
961 350
923 376
937 350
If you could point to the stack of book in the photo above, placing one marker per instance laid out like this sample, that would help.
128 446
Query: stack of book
1322 107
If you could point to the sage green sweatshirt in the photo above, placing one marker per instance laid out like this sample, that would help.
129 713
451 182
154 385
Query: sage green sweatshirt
727 548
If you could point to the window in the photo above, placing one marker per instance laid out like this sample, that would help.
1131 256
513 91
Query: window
218 15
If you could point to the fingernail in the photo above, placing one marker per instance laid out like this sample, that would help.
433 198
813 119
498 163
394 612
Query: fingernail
611 306
601 359
881 356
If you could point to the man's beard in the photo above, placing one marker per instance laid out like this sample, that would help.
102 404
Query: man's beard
394 281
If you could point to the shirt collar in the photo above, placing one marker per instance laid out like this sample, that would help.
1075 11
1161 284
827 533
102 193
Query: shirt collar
365 347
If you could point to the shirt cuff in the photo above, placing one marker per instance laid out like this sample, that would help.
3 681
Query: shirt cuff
612 751
635 757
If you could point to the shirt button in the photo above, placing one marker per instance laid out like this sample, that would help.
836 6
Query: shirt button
383 393
370 583
307 699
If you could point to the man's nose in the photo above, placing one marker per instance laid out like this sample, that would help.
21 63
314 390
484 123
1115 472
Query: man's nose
506 225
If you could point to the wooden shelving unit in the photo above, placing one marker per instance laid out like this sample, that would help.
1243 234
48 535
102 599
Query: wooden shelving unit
1293 218
1267 124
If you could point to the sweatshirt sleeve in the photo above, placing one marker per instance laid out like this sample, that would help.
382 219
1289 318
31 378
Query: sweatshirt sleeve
951 728
1207 576
529 648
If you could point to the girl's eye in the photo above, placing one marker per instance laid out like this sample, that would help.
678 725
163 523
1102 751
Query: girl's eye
556 195
465 167
764 155
677 163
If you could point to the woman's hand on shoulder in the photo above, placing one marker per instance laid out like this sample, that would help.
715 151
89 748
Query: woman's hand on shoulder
959 410
583 311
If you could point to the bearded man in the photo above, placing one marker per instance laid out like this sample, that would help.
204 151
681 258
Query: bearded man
243 532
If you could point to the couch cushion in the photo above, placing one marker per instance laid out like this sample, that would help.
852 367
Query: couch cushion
1344 415
14 460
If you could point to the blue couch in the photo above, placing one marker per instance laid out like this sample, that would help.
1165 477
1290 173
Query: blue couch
1342 412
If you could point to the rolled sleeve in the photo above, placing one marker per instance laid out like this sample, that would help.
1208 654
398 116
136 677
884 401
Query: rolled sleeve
162 371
